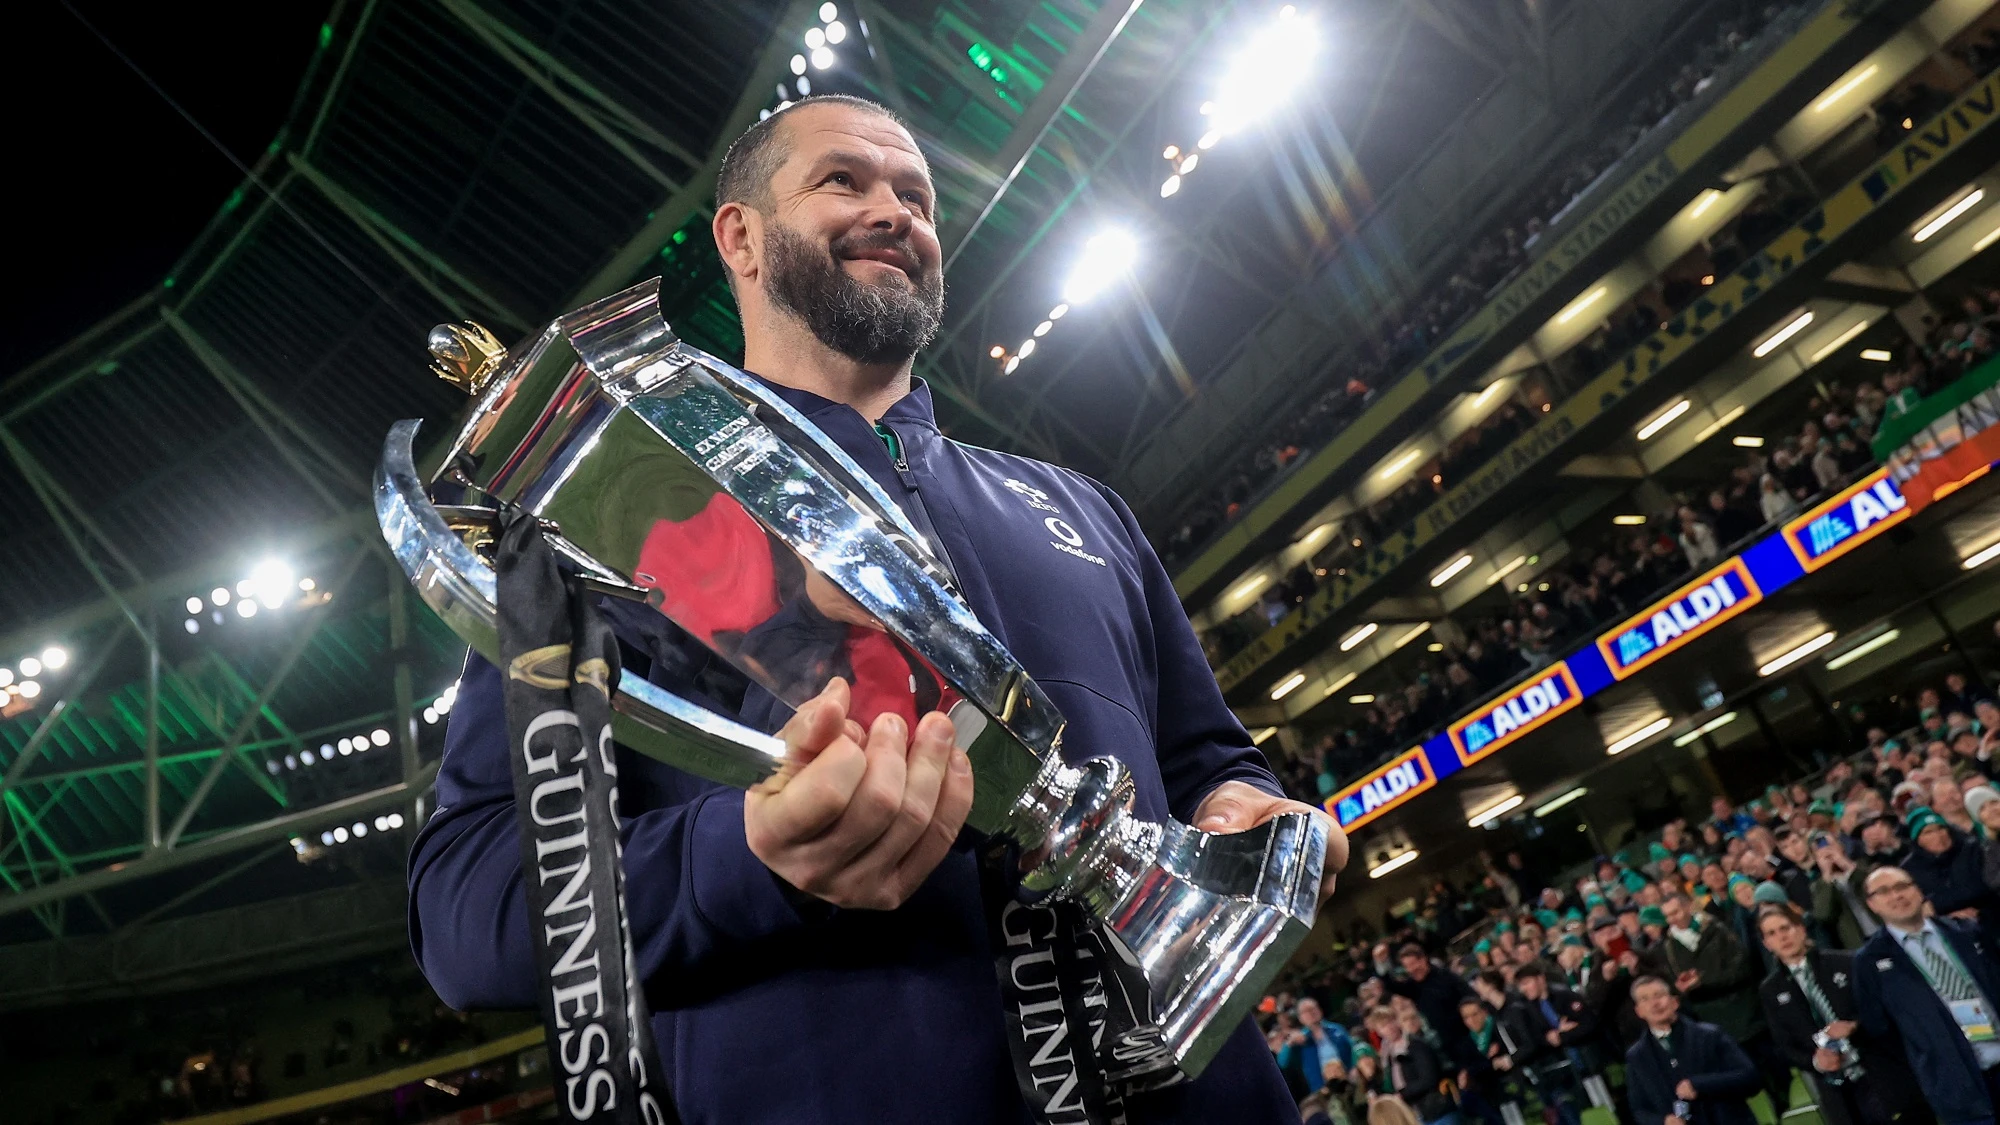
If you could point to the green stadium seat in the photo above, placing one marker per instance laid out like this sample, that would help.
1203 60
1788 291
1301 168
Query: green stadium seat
1760 1107
1599 1115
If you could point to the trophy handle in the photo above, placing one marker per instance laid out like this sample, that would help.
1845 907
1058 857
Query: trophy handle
460 587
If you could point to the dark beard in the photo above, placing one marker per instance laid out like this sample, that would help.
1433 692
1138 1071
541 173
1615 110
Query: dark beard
883 323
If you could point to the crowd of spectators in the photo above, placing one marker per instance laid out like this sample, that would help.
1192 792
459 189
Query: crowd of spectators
1466 454
1775 937
1492 259
1569 603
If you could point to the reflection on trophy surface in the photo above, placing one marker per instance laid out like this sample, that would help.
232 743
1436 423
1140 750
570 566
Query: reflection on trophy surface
795 577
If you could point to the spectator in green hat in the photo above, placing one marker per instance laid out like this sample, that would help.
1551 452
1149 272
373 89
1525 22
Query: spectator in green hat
1948 866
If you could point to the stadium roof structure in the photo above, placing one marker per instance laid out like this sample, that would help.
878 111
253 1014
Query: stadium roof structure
502 160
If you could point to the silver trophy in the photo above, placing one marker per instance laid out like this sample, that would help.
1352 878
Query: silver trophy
659 473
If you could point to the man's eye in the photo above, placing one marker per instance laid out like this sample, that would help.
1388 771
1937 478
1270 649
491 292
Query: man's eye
841 178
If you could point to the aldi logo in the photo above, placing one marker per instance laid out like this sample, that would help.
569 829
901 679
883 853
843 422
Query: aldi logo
1403 778
1857 514
1680 617
1515 714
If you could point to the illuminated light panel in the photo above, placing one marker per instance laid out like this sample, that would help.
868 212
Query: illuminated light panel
1361 700
1840 341
1626 742
1982 557
1664 419
1576 307
1257 737
1395 864
1519 562
1249 586
1356 637
1986 240
1559 802
1420 630
1845 88
1836 663
1747 441
1796 654
1399 464
1289 685
1456 567
1708 199
1708 727
1629 520
1709 430
1494 812
1950 214
1777 339
1338 684
1878 355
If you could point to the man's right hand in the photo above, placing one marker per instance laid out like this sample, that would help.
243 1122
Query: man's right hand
1825 1060
859 818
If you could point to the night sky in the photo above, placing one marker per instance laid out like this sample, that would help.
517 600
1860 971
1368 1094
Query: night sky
109 184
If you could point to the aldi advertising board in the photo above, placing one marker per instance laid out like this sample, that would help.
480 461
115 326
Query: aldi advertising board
1856 515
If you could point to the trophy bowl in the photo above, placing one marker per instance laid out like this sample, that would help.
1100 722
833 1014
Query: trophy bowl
668 477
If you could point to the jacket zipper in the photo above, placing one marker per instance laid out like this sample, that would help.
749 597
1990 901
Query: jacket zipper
894 441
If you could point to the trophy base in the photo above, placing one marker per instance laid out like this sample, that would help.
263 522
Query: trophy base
1200 921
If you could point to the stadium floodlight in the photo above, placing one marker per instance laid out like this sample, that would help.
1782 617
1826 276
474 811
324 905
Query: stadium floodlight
828 12
1106 258
836 33
6 676
815 38
30 667
1287 686
219 596
798 64
29 689
822 58
1264 74
194 605
1451 571
271 582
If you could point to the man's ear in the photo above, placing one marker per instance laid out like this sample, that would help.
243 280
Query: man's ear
739 239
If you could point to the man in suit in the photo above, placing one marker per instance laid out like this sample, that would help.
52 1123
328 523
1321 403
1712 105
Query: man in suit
1683 1071
1436 991
1809 1006
1932 981
1717 976
1549 1026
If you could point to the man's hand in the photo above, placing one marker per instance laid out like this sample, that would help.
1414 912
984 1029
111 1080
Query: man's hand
1236 807
1685 1091
1502 1062
1968 913
1841 1029
1554 1038
859 818
1688 979
1826 1059
1670 1119
1610 968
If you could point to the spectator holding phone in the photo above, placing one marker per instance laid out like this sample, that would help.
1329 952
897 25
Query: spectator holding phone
1810 1007
1683 1071
1838 905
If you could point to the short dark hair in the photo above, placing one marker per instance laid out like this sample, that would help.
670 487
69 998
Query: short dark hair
1531 969
753 158
1783 910
1651 979
1491 978
1412 949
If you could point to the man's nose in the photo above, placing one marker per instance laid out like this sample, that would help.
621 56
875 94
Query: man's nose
889 212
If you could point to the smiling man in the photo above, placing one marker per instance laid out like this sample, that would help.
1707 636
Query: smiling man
825 949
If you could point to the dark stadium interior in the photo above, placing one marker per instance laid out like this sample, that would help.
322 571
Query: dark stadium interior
1440 350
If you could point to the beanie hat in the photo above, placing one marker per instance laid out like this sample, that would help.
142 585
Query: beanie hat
1653 916
1657 851
1482 946
1690 857
1548 918
1633 881
1920 818
1744 879
1770 892
1978 797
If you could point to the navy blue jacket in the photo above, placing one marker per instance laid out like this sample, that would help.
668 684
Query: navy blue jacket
1956 880
1724 1077
886 1016
1894 998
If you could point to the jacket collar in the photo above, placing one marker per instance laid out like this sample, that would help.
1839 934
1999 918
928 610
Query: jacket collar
914 408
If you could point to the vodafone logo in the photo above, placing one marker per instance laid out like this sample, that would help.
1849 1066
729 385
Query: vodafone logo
1069 541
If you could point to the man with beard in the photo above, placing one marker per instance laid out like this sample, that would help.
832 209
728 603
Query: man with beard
832 906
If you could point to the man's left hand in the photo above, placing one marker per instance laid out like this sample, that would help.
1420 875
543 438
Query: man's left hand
1685 1091
1235 806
